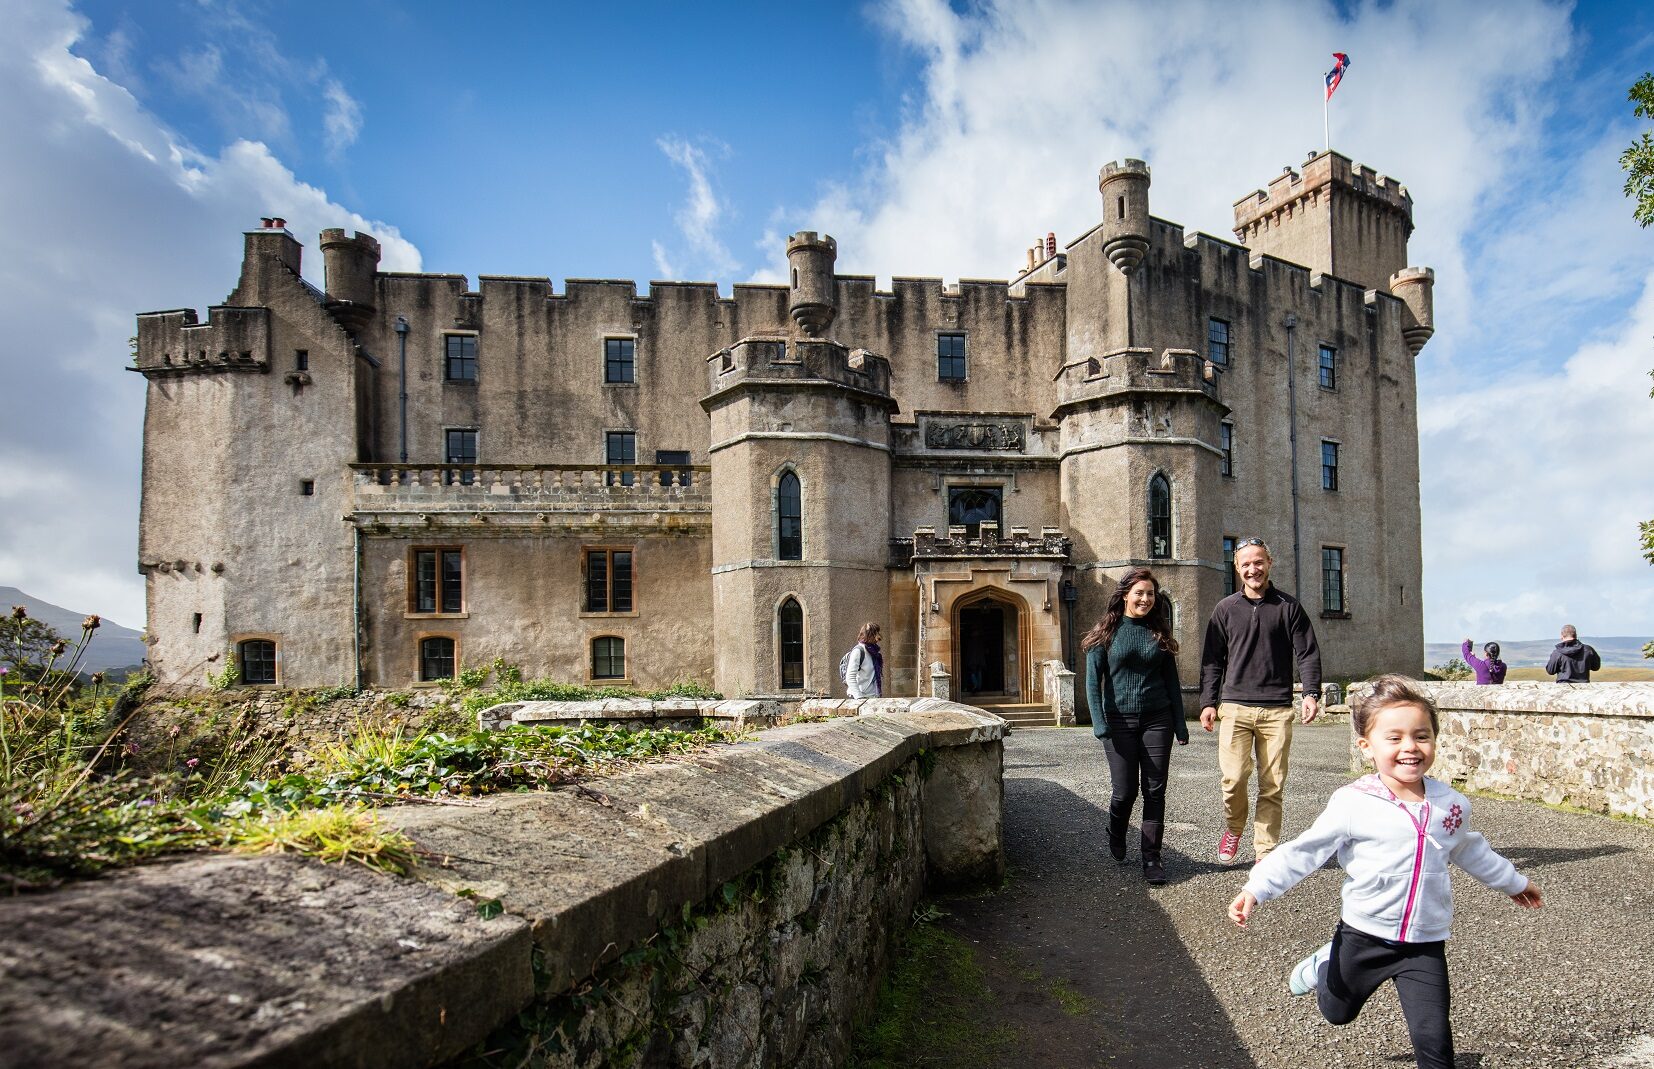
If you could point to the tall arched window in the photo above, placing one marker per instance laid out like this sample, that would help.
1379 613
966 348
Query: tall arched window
789 518
1160 518
791 618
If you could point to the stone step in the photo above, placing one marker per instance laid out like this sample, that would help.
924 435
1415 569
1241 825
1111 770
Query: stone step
1024 715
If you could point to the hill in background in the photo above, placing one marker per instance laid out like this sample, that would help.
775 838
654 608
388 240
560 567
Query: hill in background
1616 651
112 645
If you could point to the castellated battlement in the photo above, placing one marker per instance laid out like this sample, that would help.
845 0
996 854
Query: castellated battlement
1322 173
808 239
175 342
1123 167
1133 370
781 362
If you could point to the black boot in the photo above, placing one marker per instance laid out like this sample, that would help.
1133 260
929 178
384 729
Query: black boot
1117 837
1154 870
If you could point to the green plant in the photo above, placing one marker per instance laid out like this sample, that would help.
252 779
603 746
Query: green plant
398 699
334 833
1454 669
228 676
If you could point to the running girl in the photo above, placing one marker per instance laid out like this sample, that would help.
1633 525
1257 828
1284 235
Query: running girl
1395 833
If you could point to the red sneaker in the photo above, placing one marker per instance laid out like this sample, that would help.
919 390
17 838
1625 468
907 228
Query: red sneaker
1228 847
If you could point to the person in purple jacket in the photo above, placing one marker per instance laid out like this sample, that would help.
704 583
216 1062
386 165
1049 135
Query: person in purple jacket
1489 671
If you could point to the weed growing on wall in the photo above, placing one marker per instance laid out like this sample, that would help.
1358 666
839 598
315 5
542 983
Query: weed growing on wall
470 690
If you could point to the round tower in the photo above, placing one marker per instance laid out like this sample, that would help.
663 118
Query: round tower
1124 185
351 264
811 259
1415 286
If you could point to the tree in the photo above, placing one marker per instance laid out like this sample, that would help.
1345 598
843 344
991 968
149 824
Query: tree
1638 160
26 646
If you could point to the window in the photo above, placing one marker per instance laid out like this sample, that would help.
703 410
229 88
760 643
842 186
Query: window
1332 580
307 487
198 623
1329 465
608 580
461 449
436 659
257 658
1160 518
460 363
1228 565
1329 368
950 357
301 359
678 458
619 360
972 506
791 619
608 658
789 518
620 448
1217 342
438 583
1226 443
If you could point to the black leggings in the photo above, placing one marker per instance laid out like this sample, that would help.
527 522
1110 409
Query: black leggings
1360 962
1139 754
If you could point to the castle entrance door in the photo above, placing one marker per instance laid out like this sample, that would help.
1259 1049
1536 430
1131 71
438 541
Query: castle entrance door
987 631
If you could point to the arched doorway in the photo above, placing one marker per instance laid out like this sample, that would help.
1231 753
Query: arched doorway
987 648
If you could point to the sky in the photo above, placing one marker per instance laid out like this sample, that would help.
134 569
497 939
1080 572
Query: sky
668 140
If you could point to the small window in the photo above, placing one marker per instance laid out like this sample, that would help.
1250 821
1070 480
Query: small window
1332 580
790 617
307 487
1217 341
460 363
972 506
608 580
950 357
619 360
789 518
1329 368
1119 207
439 584
677 458
1160 518
198 623
436 659
1228 565
460 447
257 657
1329 465
608 658
301 360
1226 444
620 449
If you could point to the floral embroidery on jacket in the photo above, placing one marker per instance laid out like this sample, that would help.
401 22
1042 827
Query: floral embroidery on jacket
1453 818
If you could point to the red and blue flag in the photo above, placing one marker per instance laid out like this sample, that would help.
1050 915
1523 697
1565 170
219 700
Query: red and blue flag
1341 63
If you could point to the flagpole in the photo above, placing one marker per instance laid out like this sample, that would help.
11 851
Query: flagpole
1326 121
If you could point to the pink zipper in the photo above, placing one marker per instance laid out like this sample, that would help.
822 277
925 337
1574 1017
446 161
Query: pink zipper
1419 824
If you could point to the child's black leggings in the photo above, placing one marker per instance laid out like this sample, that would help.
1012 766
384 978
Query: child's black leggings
1360 962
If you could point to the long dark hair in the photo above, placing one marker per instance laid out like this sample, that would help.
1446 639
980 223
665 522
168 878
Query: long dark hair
1159 619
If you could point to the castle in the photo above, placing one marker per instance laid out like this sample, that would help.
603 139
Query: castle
400 476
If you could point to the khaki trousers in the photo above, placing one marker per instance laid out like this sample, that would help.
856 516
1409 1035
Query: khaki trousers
1249 734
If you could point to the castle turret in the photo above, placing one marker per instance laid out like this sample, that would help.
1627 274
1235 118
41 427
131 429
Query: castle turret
270 248
352 264
1415 286
811 259
1124 185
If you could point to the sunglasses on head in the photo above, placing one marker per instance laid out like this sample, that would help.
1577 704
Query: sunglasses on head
1243 543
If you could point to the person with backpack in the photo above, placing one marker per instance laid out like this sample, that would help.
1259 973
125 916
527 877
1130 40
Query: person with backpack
862 669
1489 672
1572 661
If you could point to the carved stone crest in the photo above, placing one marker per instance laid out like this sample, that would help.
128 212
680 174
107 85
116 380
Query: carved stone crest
986 437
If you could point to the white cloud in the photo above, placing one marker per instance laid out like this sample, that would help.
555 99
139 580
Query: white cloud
663 263
104 213
343 119
701 213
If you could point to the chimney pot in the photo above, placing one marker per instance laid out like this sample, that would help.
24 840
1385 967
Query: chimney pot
1050 244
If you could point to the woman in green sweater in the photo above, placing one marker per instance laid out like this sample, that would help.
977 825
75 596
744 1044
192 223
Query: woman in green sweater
1136 708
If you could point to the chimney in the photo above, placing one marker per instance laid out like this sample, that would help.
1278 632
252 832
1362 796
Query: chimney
1050 244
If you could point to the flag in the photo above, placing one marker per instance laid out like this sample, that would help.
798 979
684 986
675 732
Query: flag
1340 65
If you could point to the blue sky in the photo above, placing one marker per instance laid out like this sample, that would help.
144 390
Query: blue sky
656 140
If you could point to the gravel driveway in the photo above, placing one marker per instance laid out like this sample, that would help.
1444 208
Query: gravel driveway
1169 982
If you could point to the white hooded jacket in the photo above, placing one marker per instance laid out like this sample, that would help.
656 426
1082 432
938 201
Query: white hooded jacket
1395 858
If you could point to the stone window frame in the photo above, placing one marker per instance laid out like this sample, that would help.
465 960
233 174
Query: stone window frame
1226 458
610 548
964 357
1343 573
1329 472
804 642
787 468
411 566
619 335
1231 582
1004 485
1227 342
463 478
238 639
1171 514
419 640
625 478
475 358
625 677
1326 370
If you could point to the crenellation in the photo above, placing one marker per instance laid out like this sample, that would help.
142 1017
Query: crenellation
176 342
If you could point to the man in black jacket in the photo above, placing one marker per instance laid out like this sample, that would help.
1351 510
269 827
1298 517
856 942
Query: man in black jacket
1572 661
1254 637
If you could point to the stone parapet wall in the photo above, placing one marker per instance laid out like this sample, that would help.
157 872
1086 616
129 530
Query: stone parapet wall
731 908
1589 745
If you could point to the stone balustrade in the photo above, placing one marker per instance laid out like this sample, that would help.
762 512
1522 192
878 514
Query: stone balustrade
531 487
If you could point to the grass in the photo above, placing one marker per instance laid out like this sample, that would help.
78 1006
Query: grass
1601 675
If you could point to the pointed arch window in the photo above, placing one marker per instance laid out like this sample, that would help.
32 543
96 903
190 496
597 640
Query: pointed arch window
1160 518
789 518
790 617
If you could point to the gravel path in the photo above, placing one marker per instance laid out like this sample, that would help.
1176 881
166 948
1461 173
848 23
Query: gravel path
1168 982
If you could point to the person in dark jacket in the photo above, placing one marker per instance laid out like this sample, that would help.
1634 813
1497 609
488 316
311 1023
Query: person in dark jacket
1252 641
1489 671
1572 661
1136 708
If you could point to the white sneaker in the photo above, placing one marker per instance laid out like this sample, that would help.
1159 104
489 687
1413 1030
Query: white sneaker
1306 975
